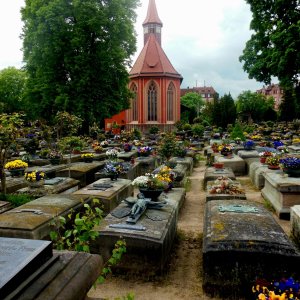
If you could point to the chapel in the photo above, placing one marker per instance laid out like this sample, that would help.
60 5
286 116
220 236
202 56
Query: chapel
154 82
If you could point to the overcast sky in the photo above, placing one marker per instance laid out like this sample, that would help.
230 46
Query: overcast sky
202 38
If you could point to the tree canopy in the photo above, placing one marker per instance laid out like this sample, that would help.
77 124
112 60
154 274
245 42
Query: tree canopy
273 49
76 54
193 101
12 84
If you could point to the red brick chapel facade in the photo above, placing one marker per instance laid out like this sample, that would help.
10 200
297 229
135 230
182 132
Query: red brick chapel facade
154 82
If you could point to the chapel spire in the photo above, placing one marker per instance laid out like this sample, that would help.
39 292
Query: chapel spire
152 23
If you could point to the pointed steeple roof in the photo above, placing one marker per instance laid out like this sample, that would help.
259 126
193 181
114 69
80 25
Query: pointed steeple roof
153 61
152 15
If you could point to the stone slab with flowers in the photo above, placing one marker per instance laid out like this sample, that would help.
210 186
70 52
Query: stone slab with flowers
294 148
127 156
236 163
224 188
110 193
84 172
13 184
148 249
248 154
57 185
241 242
49 170
32 220
211 174
147 164
282 192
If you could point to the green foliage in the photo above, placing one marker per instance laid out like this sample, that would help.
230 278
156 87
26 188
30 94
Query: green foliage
237 132
187 127
179 125
15 199
154 130
198 130
288 106
168 146
193 101
76 55
69 143
67 124
81 233
12 84
273 49
136 134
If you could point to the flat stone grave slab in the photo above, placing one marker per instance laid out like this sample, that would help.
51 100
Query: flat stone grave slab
211 174
110 195
131 174
248 154
4 206
66 275
241 242
181 171
19 258
84 172
295 222
13 184
236 163
32 220
146 164
225 196
49 170
187 161
282 192
149 247
294 148
126 156
56 185
249 162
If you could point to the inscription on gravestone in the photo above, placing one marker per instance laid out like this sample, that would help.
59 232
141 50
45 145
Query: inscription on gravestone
19 258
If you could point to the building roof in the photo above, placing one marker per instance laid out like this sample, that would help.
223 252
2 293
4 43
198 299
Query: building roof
152 15
198 90
153 61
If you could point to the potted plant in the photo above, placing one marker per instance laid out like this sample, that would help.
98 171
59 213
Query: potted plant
264 155
44 153
35 178
112 154
127 147
16 167
273 162
114 169
249 145
87 157
55 157
226 150
291 166
144 151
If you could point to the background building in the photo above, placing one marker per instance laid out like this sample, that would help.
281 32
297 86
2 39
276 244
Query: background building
207 92
272 90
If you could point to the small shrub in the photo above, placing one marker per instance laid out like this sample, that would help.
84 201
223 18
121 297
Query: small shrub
198 130
154 130
16 200
187 127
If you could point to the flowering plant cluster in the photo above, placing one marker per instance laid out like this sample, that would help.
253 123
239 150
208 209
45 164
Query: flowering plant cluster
115 168
256 137
283 149
54 154
98 148
151 181
127 147
277 144
272 160
290 162
296 141
146 150
266 154
249 144
16 164
224 185
112 154
104 143
166 174
34 176
87 155
225 148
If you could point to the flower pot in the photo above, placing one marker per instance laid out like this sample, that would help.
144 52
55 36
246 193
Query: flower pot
218 165
35 184
152 194
113 177
271 167
55 161
263 160
292 172
17 172
88 159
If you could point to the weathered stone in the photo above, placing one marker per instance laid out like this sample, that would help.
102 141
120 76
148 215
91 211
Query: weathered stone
111 197
64 186
68 275
32 219
127 155
181 171
257 174
236 163
13 184
145 249
247 154
295 222
187 161
146 164
211 174
84 172
4 206
210 197
239 247
249 162
294 148
19 258
49 170
282 192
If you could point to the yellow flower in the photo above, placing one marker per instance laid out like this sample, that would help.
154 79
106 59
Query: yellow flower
16 164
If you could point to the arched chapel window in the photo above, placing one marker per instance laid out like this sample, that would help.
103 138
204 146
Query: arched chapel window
152 102
170 102
134 103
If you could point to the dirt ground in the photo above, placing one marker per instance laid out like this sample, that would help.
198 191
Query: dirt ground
183 277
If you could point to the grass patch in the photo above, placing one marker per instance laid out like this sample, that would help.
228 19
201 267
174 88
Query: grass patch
268 205
188 184
16 200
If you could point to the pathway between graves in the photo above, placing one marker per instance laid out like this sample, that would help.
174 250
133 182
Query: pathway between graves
183 278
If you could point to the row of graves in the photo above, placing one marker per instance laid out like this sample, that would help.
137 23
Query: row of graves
246 254
140 198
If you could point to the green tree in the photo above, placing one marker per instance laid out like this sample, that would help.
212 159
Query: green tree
273 49
253 105
193 101
76 54
12 84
